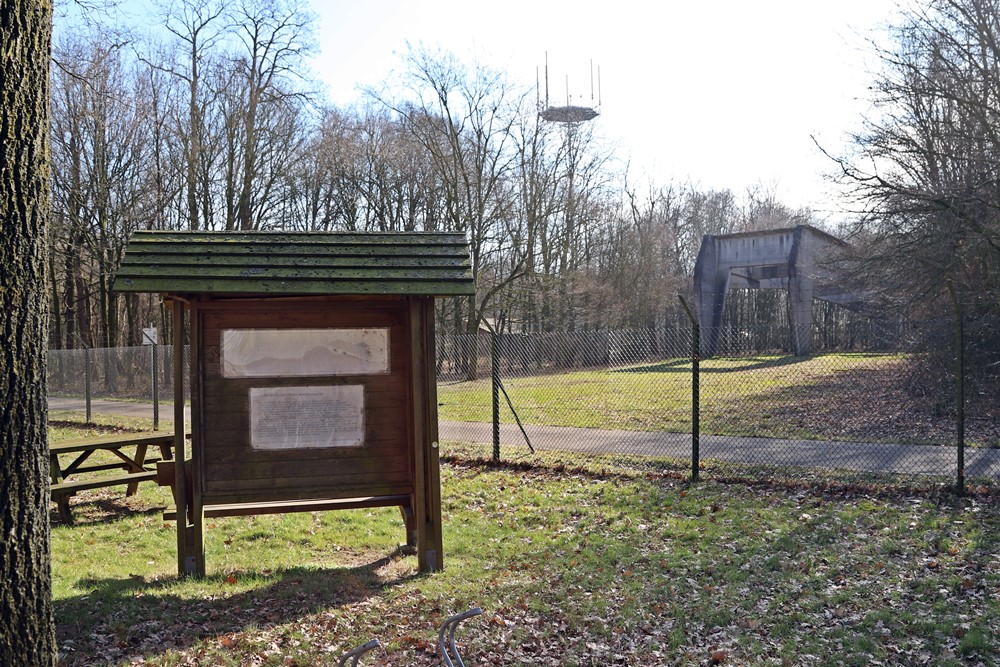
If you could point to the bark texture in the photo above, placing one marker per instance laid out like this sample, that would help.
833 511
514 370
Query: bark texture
27 631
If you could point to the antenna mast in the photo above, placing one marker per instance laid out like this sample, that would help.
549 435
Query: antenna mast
546 79
569 114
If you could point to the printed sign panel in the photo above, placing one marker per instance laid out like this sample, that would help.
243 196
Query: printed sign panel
307 417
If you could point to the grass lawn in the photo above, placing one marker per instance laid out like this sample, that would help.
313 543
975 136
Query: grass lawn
571 568
832 396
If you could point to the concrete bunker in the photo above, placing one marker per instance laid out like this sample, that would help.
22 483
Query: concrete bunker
793 259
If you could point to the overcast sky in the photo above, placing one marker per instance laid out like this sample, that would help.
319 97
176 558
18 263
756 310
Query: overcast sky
725 93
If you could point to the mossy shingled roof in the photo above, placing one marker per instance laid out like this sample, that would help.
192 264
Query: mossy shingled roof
302 263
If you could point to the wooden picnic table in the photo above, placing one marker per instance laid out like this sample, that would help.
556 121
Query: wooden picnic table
130 448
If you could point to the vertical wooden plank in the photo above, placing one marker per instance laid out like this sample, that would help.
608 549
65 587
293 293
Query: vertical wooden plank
432 451
180 480
196 537
418 432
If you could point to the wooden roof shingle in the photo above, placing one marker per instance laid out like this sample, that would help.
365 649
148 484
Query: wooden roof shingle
297 263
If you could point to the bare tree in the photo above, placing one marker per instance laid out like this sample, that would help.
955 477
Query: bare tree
463 118
926 166
103 187
197 25
69 194
275 36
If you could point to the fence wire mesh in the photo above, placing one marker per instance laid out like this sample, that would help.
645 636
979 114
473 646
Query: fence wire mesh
575 394
879 405
119 373
882 409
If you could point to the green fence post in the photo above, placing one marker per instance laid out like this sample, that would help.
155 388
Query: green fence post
495 382
695 391
156 387
86 379
959 388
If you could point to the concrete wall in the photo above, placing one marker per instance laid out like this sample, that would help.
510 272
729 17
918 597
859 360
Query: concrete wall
772 259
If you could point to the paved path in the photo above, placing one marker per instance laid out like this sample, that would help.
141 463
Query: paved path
865 457
127 408
859 456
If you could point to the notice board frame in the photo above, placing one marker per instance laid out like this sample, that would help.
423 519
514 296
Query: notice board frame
413 481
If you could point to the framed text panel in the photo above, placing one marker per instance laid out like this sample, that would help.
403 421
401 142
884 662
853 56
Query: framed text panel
252 353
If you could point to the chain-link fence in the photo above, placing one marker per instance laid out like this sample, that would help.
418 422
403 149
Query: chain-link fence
878 406
94 376
882 410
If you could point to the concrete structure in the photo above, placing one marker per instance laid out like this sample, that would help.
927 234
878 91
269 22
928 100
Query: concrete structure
789 259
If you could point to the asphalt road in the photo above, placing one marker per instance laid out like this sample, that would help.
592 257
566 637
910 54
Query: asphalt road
854 456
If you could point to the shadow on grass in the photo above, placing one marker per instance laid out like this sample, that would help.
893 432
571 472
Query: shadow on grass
126 617
717 364
874 404
98 510
740 364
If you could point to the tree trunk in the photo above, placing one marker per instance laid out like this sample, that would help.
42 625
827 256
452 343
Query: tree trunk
27 630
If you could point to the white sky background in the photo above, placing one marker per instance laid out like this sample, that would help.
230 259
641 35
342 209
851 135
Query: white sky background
725 94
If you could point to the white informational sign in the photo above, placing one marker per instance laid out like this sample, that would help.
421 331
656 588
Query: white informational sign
304 352
149 335
307 417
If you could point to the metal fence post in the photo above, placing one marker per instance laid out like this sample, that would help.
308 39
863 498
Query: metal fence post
959 388
495 382
695 391
86 379
695 400
156 387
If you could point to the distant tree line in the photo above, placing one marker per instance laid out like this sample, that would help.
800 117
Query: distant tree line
213 123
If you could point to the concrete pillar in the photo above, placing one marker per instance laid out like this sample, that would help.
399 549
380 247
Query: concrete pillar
771 259
711 282
801 290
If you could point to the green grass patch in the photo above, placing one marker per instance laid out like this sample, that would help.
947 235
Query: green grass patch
657 397
70 424
850 396
571 568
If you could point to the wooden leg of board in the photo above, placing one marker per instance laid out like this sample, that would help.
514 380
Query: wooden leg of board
190 558
433 559
198 526
427 472
65 513
185 566
410 524
140 459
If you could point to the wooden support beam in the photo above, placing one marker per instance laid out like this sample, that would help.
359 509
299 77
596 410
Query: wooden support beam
427 493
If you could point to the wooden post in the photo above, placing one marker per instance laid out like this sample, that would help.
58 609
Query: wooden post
195 535
426 482
433 452
180 479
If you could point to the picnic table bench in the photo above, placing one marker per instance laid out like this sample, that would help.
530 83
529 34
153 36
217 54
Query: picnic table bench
64 481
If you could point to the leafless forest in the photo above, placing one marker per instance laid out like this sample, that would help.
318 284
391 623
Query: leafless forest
212 121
